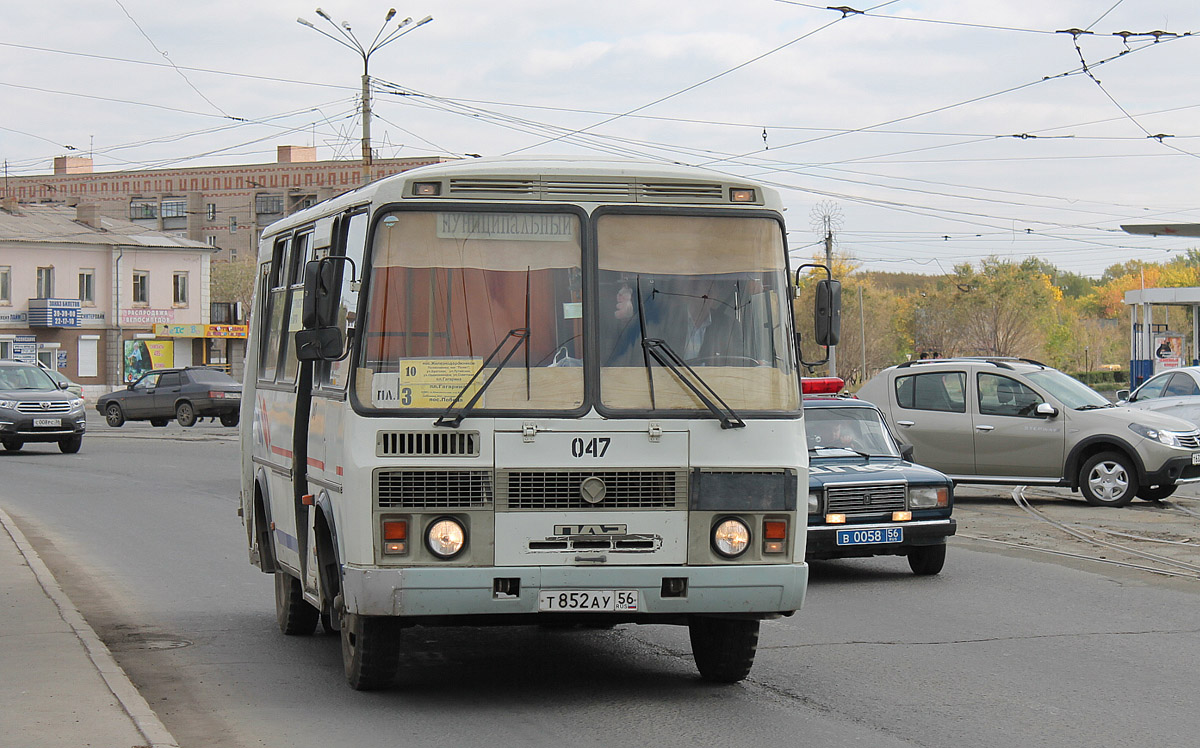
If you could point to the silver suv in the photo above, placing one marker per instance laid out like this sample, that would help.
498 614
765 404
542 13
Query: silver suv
1015 421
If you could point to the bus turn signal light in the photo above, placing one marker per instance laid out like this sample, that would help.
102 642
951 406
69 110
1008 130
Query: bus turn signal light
774 536
395 536
835 519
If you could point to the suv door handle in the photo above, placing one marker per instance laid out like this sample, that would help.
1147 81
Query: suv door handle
905 423
984 427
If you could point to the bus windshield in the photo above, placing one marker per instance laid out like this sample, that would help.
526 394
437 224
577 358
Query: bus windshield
448 290
714 290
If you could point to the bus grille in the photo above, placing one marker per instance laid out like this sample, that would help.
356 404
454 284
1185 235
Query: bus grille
427 444
536 490
433 489
866 497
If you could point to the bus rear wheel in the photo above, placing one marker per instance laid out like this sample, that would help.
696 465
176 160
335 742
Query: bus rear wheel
723 647
293 613
370 651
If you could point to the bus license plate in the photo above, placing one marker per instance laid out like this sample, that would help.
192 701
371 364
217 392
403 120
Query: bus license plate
44 422
586 601
874 535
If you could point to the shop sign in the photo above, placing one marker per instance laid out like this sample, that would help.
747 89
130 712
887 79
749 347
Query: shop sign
146 317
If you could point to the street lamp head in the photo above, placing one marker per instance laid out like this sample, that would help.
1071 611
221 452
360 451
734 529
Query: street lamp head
303 22
424 21
346 25
322 14
390 15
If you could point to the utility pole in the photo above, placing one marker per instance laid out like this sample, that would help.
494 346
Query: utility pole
829 264
351 42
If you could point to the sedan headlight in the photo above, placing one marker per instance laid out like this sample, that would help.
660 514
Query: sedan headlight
1166 437
928 497
814 502
446 538
731 538
8 404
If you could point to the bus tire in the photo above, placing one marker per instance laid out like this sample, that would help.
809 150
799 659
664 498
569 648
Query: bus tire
370 651
926 560
294 615
723 647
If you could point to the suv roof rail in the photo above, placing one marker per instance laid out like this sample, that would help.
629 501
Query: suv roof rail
998 361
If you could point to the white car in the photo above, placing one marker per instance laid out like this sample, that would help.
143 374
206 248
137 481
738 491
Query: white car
1175 392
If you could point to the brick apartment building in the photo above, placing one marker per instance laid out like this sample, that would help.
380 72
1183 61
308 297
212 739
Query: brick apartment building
225 207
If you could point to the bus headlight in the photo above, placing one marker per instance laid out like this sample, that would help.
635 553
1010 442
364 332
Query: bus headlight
446 538
731 538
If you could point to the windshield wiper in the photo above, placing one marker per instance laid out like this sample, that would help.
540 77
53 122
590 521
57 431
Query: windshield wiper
1091 406
666 356
865 455
522 337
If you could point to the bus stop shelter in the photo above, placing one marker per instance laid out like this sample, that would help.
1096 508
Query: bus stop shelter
1146 336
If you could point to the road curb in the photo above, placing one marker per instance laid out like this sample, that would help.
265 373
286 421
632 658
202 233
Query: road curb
135 706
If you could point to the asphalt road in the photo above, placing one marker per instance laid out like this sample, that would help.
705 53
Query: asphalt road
1006 647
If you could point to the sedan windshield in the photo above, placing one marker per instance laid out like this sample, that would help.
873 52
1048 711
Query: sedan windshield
1067 390
849 429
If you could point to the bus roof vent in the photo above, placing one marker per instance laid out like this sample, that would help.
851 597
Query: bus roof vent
585 189
483 187
682 192
427 444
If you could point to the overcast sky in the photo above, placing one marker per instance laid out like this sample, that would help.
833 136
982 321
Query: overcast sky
899 121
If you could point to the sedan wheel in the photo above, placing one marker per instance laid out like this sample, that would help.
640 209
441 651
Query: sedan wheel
1108 479
185 414
113 414
229 419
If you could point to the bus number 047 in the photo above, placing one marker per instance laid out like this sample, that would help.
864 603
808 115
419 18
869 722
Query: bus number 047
595 447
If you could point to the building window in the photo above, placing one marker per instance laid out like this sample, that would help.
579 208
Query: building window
174 207
268 204
140 209
87 287
210 211
45 283
211 239
6 284
141 287
181 289
6 349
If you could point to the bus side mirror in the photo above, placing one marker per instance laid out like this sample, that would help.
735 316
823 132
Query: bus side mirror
827 312
321 294
319 344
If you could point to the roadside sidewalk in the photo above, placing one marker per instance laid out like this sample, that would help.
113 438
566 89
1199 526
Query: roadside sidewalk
59 684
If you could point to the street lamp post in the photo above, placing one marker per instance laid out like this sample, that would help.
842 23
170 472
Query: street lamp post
348 40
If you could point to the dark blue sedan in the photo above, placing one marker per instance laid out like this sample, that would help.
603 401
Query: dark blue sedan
864 497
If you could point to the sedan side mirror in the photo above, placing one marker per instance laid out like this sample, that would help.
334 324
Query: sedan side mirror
1122 395
1046 409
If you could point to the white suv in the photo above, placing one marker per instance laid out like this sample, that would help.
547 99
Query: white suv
1015 421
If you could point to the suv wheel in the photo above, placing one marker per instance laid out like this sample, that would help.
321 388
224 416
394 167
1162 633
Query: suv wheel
1108 479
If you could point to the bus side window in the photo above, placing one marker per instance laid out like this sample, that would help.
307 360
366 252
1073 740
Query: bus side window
300 254
351 241
274 305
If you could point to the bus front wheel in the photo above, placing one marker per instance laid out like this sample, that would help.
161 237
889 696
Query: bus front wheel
723 647
370 651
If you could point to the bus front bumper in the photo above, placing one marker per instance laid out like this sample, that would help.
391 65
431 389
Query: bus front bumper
759 590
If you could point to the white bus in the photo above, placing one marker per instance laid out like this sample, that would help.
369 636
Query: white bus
551 391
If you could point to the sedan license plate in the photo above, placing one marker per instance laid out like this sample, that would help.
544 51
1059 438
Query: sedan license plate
1196 458
869 536
587 601
47 422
